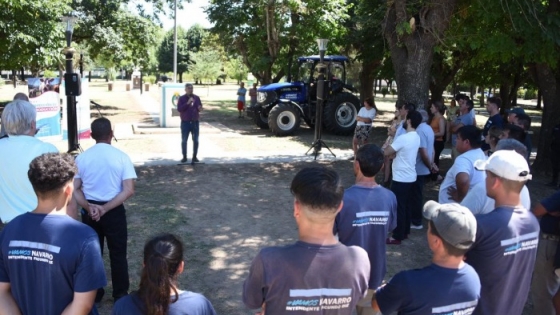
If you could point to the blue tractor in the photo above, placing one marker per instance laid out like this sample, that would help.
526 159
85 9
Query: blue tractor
281 106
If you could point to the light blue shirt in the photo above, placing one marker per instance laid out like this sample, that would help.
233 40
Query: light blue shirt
16 193
241 94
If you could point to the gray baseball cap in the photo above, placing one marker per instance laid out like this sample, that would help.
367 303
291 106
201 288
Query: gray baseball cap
454 223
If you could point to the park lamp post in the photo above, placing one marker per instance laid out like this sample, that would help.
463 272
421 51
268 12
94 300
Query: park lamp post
70 85
317 142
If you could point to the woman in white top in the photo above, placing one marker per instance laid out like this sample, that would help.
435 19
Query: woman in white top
365 118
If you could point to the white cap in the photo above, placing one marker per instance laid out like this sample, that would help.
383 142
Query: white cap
506 164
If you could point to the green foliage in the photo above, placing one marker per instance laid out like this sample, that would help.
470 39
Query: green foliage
384 91
50 74
404 28
111 73
30 33
270 35
150 79
236 70
165 52
530 94
203 65
393 92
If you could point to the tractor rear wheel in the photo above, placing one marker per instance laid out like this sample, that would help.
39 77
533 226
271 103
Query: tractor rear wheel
340 112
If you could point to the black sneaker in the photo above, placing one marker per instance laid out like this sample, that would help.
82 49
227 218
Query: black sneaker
195 160
184 160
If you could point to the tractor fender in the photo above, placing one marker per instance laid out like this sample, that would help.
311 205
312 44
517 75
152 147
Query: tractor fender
285 101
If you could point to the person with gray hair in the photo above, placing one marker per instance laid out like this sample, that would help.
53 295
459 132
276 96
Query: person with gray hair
16 194
476 199
18 96
424 168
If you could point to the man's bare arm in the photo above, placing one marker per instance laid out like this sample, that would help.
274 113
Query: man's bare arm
389 151
127 192
79 196
425 158
81 304
462 180
8 305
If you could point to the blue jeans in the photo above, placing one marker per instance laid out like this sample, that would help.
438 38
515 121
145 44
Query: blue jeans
404 204
188 127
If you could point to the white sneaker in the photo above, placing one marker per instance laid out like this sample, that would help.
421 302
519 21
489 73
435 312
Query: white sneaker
416 227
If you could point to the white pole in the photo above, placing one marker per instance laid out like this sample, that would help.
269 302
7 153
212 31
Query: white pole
175 45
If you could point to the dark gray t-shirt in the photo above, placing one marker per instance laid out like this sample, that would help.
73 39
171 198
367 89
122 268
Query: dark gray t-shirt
504 255
307 279
367 216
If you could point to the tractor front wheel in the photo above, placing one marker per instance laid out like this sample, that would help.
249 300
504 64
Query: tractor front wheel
283 119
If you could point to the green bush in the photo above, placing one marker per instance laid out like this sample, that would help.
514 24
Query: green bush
49 74
111 74
150 79
530 94
384 91
521 92
393 92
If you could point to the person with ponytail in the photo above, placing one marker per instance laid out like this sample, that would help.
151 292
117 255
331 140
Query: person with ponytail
158 293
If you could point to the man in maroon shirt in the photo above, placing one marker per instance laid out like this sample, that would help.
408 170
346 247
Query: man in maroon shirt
189 106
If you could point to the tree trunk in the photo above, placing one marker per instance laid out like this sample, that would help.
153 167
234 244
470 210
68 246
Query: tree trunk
180 77
89 76
22 74
367 78
549 85
539 99
412 49
14 78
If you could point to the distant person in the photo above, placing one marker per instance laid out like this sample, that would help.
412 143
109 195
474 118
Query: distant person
424 168
462 176
511 131
546 277
524 122
365 118
512 114
19 96
105 180
472 111
404 174
403 112
464 119
368 213
189 106
555 155
388 160
448 285
49 262
253 94
452 111
476 199
16 193
493 105
438 127
241 92
158 292
494 135
504 252
294 278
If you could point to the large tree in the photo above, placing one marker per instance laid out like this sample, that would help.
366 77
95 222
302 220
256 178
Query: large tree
165 53
270 34
412 30
30 33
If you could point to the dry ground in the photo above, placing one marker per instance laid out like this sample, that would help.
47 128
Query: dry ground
226 212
